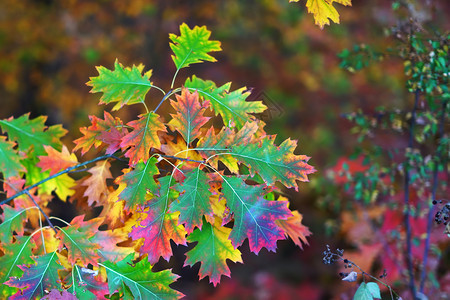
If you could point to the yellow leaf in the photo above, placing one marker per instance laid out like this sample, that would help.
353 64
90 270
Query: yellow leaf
323 10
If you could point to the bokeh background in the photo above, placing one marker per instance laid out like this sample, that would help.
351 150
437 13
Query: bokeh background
48 50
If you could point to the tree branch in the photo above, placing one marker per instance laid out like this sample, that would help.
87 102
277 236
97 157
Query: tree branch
42 212
409 263
24 191
433 199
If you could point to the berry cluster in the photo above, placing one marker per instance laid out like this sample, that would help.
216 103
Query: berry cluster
443 215
329 257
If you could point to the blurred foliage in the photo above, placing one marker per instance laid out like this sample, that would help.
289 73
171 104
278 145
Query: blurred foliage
48 49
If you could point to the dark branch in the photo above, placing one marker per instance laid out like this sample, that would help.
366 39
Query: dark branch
433 199
409 263
24 191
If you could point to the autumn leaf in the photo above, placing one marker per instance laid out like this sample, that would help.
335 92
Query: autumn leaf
192 46
108 240
212 250
160 226
143 137
294 228
56 161
189 117
94 135
41 276
254 217
324 10
138 181
193 202
232 106
33 133
15 254
274 163
9 159
97 189
140 280
58 295
13 219
213 144
84 285
79 246
125 86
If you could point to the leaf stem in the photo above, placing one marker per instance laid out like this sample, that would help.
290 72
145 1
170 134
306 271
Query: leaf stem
24 191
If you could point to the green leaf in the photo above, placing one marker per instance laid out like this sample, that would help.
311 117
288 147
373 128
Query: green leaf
79 246
194 203
9 159
82 282
230 105
138 182
142 282
12 221
212 251
37 278
28 133
14 254
274 163
368 291
192 46
125 86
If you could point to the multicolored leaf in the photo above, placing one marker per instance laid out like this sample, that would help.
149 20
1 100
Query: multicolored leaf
140 280
9 159
138 181
94 134
212 250
33 133
56 161
294 228
83 284
160 226
14 254
192 46
189 117
274 163
125 86
230 105
193 202
37 278
80 247
254 217
143 137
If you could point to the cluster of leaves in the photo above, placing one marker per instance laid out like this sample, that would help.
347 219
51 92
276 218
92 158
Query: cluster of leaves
399 180
185 180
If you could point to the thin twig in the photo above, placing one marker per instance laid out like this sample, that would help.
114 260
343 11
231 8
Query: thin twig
180 158
409 263
167 95
24 191
40 209
433 199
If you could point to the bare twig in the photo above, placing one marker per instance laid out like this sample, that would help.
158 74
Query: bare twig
40 209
